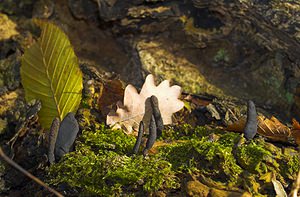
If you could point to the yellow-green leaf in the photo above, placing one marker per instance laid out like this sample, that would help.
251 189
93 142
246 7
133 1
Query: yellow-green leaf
50 73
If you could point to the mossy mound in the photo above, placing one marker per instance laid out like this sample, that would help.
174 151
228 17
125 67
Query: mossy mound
103 165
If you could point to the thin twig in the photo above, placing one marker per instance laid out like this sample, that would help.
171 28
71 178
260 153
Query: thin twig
18 167
296 186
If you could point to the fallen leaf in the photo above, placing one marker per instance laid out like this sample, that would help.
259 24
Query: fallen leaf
198 101
296 131
111 92
129 114
237 126
271 128
279 189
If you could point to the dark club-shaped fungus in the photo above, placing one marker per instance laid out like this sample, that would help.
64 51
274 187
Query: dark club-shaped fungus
251 124
152 136
157 115
139 138
155 127
52 139
66 135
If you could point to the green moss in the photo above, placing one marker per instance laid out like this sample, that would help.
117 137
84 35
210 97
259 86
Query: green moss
213 158
102 163
104 139
225 162
289 166
186 132
182 156
218 161
252 156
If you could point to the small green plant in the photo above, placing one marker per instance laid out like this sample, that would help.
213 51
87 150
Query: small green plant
221 56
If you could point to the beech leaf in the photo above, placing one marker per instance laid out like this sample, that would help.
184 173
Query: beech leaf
129 113
51 74
271 128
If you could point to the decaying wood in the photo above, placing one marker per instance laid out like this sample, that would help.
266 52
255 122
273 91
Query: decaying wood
244 17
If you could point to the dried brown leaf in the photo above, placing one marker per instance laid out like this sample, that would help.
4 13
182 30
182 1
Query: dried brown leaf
112 91
271 128
296 131
237 126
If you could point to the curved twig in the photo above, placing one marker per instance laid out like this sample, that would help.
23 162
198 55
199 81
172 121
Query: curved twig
18 167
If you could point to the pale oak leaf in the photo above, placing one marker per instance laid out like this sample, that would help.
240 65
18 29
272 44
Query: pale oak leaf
129 113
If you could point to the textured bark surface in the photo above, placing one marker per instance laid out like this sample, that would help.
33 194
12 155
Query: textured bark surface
236 49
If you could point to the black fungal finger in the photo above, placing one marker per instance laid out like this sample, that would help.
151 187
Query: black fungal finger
52 139
66 135
152 136
157 115
251 124
139 138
